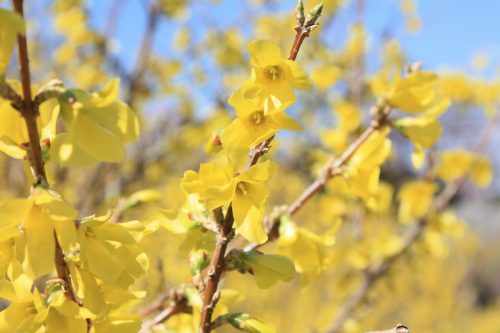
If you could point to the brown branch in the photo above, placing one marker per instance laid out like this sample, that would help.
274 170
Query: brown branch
377 270
29 112
216 267
178 306
215 271
331 169
63 271
156 305
8 93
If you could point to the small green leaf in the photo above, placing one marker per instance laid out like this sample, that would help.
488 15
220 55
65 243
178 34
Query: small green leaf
269 268
247 323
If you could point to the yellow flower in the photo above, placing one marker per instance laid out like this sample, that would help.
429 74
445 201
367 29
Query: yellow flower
11 24
348 115
98 127
413 93
110 252
424 131
217 185
276 75
27 312
363 169
455 164
310 252
415 200
13 130
37 218
255 123
326 76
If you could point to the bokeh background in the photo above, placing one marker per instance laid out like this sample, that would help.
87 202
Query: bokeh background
179 61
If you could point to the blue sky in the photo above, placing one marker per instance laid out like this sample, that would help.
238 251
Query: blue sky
453 31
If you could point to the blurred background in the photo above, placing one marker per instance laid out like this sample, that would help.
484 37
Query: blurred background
179 60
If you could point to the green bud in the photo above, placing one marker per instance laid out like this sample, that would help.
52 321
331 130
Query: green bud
316 11
299 12
198 260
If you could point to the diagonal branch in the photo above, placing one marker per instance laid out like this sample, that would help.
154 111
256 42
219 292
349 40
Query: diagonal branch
412 235
331 169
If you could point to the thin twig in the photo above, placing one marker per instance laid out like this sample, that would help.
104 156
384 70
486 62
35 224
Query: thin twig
374 272
331 170
178 306
8 93
216 267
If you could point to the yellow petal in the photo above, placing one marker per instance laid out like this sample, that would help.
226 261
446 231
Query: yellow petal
12 214
18 317
264 53
297 75
415 200
418 157
325 77
98 141
9 147
285 122
118 118
11 24
100 262
422 131
245 100
259 172
482 172
250 226
108 94
57 323
40 242
414 93
126 232
220 195
66 234
454 164
70 153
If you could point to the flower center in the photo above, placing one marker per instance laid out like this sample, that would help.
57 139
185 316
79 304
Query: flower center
273 73
242 188
257 117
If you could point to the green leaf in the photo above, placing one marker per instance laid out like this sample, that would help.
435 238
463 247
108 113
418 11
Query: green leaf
247 323
269 268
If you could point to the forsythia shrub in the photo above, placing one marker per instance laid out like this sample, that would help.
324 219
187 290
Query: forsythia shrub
74 261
